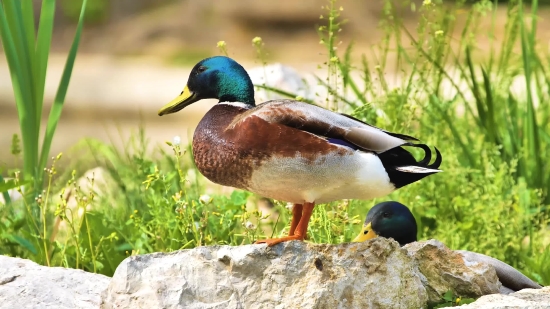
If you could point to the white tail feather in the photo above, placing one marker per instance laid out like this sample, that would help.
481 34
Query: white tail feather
416 169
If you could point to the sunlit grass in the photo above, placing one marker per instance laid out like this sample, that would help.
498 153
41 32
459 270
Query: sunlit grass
27 54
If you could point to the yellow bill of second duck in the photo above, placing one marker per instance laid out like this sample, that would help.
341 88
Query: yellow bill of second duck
365 234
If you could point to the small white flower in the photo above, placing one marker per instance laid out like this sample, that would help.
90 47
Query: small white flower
249 225
289 206
176 140
205 199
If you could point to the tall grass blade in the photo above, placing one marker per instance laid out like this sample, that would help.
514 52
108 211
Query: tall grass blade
530 129
492 129
26 52
345 69
510 38
533 34
512 113
28 22
43 43
9 35
456 134
481 113
22 242
57 106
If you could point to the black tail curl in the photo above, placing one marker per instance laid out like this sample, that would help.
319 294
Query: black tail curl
428 156
402 167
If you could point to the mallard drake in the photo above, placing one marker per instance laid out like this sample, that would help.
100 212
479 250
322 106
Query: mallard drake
394 220
289 150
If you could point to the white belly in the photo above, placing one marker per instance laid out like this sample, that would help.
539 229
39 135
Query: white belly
359 175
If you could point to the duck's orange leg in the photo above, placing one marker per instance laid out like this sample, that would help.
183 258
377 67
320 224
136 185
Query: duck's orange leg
296 216
300 230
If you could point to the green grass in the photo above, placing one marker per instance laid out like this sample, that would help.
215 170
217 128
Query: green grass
27 50
491 198
27 54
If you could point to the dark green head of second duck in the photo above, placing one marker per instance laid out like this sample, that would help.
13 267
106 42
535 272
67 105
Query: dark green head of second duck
390 220
217 77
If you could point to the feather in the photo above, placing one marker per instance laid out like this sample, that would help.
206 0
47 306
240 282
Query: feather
372 139
325 123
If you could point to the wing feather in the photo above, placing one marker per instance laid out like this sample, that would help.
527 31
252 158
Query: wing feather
325 123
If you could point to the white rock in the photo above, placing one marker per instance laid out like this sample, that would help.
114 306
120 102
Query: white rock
282 77
442 269
524 299
25 284
374 274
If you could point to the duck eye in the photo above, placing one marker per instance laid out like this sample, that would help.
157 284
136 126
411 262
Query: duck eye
365 232
201 69
386 215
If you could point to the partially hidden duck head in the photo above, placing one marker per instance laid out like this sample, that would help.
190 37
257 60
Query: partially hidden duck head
390 220
217 77
394 220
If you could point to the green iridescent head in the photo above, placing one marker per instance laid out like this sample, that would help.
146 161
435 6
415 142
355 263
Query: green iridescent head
217 77
390 220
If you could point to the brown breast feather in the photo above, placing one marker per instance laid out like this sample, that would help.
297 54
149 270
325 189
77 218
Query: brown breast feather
227 152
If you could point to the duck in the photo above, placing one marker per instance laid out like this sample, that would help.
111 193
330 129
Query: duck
290 150
392 219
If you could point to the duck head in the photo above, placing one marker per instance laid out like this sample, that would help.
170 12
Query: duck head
391 220
217 77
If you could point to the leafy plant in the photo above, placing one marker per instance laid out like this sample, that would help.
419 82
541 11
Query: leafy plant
449 299
27 53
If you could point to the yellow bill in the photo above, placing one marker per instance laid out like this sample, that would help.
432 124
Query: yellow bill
184 99
365 234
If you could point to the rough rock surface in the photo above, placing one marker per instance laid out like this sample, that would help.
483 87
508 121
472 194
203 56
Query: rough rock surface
25 284
376 274
512 280
442 269
524 299
373 274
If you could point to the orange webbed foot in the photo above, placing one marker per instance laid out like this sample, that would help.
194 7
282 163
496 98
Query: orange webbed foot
298 228
273 241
